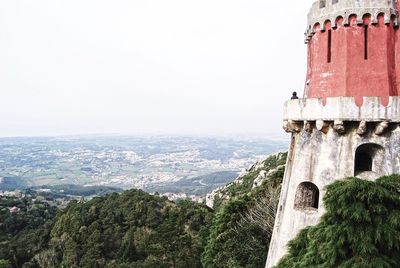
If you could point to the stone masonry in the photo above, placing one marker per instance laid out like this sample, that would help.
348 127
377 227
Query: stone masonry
348 123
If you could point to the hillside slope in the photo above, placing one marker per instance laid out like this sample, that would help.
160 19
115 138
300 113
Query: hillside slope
270 169
136 229
131 229
244 216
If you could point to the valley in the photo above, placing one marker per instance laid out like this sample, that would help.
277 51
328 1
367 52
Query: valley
178 167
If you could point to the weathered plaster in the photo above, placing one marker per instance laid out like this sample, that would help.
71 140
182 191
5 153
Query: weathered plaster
343 109
351 100
321 159
345 8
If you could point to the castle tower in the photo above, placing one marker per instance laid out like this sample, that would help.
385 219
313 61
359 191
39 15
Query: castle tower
348 123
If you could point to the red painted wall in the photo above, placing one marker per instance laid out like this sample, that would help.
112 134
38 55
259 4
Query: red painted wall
350 72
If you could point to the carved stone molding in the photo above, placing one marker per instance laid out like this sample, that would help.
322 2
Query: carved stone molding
381 128
338 126
362 128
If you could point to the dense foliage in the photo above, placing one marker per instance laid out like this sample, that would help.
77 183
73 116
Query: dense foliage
241 230
231 245
25 232
132 229
135 229
361 228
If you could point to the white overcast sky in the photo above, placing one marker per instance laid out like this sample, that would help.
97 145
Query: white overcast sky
149 66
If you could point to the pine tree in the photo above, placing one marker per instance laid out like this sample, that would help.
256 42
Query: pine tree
361 228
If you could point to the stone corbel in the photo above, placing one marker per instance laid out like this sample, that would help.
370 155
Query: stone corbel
322 126
291 126
362 128
285 126
338 126
381 127
308 127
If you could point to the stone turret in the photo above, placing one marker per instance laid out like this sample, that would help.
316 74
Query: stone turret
332 11
352 49
348 124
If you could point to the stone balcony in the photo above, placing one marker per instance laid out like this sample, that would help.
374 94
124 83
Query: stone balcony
307 114
342 108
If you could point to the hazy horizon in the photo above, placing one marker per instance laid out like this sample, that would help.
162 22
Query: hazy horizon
209 68
234 136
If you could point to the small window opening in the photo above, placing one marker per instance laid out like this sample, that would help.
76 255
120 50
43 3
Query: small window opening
363 162
335 2
307 196
366 42
329 56
368 157
322 3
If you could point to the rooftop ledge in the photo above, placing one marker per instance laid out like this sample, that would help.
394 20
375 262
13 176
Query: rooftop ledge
342 108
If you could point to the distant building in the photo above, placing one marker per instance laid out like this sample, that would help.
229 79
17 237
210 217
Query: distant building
349 123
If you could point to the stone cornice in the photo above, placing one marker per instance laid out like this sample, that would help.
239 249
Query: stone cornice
342 108
346 8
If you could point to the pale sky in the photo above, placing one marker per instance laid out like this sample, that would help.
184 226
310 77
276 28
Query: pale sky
209 67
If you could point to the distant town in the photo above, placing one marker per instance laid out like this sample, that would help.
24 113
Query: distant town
176 167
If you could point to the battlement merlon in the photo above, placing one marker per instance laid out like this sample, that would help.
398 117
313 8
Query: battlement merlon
330 10
342 108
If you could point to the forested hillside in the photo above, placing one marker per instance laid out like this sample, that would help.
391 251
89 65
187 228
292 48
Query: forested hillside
271 169
136 229
244 216
25 226
132 229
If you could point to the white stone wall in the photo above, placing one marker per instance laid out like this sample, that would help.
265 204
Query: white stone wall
322 158
342 108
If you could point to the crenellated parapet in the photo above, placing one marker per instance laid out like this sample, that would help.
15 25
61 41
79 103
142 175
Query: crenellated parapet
342 108
306 114
348 123
353 49
332 11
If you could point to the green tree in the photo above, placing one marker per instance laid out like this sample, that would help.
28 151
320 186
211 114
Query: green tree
128 251
70 249
361 228
132 229
242 226
232 245
5 264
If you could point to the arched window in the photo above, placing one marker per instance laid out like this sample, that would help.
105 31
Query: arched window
363 162
368 158
307 196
